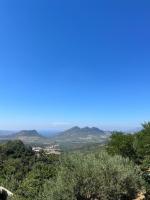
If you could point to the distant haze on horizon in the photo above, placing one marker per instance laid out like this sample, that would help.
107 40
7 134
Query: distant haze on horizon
68 63
55 129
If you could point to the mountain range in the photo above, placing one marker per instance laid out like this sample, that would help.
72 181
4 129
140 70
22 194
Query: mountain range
71 136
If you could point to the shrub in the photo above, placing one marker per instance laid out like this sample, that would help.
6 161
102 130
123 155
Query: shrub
94 176
122 144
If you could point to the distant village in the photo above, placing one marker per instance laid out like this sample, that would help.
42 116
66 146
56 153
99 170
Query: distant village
52 149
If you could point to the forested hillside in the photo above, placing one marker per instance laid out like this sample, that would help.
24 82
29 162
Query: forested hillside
23 172
119 171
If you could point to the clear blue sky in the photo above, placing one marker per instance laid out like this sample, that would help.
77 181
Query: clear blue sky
81 62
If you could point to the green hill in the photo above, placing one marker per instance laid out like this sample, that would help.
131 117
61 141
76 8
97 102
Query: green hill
82 135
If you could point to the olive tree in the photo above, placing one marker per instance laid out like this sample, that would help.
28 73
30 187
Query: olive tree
94 176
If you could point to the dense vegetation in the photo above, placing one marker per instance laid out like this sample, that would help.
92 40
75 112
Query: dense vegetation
94 176
136 147
24 173
116 172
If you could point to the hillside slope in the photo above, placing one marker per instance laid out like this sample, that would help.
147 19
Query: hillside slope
82 135
28 137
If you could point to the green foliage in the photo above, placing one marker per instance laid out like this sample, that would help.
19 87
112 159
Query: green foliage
123 145
91 175
146 162
33 183
94 176
142 141
22 172
16 161
14 149
136 147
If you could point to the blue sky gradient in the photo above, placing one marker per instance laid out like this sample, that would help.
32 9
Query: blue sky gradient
65 63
